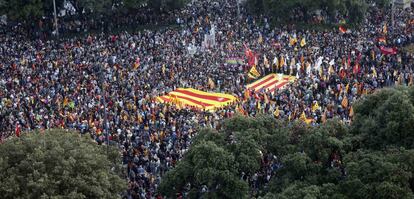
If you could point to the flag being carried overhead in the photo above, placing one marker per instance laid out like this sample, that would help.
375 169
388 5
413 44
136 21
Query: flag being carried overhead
188 97
253 73
271 82
388 51
342 29
303 42
251 57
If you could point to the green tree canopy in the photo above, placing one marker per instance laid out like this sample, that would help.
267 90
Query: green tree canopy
285 10
372 158
57 164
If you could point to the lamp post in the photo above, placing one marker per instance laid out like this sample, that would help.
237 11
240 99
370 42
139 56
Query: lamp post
55 16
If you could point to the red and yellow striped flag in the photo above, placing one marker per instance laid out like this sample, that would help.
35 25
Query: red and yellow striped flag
188 97
271 82
253 73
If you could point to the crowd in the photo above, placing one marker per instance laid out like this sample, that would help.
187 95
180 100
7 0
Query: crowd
63 83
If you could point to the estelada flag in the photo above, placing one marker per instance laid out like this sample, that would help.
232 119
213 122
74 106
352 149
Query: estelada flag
253 73
315 106
388 51
342 29
303 42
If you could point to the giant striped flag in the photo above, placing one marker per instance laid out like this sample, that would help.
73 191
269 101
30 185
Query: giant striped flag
271 82
189 97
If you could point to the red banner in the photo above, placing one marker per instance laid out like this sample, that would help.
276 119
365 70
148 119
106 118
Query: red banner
388 51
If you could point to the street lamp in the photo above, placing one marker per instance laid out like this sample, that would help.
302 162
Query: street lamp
55 16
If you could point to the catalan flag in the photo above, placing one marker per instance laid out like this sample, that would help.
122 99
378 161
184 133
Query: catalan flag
293 41
315 106
253 73
271 82
344 102
241 110
189 97
303 42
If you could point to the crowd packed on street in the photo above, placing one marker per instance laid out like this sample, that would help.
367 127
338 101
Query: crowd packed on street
62 83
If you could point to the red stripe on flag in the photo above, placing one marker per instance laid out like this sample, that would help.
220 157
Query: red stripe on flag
269 84
165 99
266 80
193 101
207 97
279 86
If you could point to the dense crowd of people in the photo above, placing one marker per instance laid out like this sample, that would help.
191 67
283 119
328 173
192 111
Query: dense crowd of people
63 83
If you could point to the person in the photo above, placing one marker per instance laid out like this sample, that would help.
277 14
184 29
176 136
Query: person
63 83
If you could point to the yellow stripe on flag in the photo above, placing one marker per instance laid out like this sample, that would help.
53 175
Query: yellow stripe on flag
199 99
272 82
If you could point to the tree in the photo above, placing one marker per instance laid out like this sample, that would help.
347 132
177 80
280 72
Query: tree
286 10
93 6
135 4
22 10
385 118
57 164
372 158
378 174
167 5
207 171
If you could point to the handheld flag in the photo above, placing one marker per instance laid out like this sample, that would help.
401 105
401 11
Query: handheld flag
344 102
342 29
277 112
388 51
303 42
315 107
253 73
